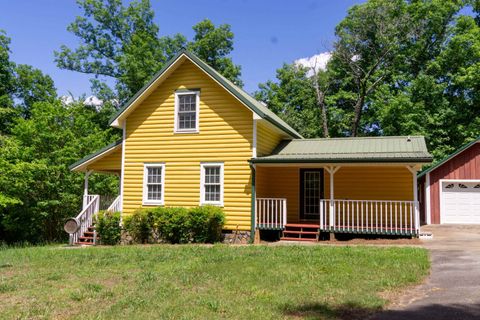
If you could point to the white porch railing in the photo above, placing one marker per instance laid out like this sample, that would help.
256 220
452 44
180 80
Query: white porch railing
370 216
84 219
115 206
271 213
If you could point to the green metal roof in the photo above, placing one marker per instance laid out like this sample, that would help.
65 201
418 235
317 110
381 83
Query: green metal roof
359 149
239 93
93 155
441 162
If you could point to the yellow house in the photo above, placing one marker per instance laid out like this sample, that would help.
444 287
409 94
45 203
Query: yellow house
191 137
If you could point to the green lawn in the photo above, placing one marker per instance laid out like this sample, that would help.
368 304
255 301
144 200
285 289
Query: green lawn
202 282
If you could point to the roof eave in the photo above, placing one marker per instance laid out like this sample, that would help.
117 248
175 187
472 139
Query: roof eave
344 160
447 158
76 166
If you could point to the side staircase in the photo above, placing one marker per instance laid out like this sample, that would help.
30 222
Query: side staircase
88 238
82 227
300 232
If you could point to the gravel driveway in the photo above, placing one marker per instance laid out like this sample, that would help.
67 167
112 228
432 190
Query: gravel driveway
453 289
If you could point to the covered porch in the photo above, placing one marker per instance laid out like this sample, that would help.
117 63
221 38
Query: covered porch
105 161
299 191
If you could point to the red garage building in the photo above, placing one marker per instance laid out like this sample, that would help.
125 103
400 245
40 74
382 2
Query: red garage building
449 192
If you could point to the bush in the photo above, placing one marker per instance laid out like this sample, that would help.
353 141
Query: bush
140 224
108 227
206 224
173 224
176 224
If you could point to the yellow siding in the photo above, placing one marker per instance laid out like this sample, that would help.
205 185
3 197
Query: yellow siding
110 162
225 135
267 139
354 183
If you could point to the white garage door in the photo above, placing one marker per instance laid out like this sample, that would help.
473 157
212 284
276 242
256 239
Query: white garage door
460 202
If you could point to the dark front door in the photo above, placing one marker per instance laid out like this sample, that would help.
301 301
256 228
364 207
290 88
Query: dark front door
311 191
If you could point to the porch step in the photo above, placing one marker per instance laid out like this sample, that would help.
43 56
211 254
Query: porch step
300 232
298 239
302 225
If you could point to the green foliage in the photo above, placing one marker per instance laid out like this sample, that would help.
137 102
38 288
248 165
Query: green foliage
177 225
173 224
140 224
108 227
292 97
206 224
122 42
34 170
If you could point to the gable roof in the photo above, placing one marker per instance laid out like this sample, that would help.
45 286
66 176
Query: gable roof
256 106
447 158
93 156
358 149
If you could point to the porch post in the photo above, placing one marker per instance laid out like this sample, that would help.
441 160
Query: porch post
415 197
331 170
253 206
85 189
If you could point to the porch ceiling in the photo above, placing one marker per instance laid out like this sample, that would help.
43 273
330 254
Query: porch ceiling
352 150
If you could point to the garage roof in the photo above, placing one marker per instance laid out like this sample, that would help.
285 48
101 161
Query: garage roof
446 159
358 149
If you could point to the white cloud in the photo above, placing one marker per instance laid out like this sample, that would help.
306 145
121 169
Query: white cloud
319 61
93 101
67 99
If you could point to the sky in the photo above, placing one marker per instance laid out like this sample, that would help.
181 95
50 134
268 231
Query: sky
267 33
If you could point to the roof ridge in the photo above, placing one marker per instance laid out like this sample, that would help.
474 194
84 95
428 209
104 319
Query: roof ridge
356 138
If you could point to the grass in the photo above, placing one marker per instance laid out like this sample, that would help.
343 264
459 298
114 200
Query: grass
203 282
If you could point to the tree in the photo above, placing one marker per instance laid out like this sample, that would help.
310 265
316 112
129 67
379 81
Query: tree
368 40
37 190
122 42
7 84
292 97
32 86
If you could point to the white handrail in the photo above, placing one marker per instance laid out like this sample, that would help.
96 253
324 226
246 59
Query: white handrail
370 216
85 218
271 213
115 206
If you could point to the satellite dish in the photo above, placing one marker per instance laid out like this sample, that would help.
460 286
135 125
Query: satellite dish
71 225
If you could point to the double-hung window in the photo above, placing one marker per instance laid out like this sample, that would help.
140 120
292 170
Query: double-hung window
212 183
153 184
187 111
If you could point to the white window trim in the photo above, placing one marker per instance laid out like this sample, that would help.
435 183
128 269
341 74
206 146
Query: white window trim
202 182
197 110
145 200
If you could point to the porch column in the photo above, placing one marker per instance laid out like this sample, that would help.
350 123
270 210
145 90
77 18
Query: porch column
85 189
254 235
331 170
413 170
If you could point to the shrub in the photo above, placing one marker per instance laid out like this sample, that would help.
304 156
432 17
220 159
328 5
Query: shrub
177 224
173 224
108 227
140 224
206 224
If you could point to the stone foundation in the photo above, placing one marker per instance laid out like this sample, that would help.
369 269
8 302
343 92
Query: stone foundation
236 237
233 237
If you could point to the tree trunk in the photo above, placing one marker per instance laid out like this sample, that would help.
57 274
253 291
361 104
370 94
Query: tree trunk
357 114
322 107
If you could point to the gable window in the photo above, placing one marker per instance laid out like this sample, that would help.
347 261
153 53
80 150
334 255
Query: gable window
211 184
153 183
186 111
